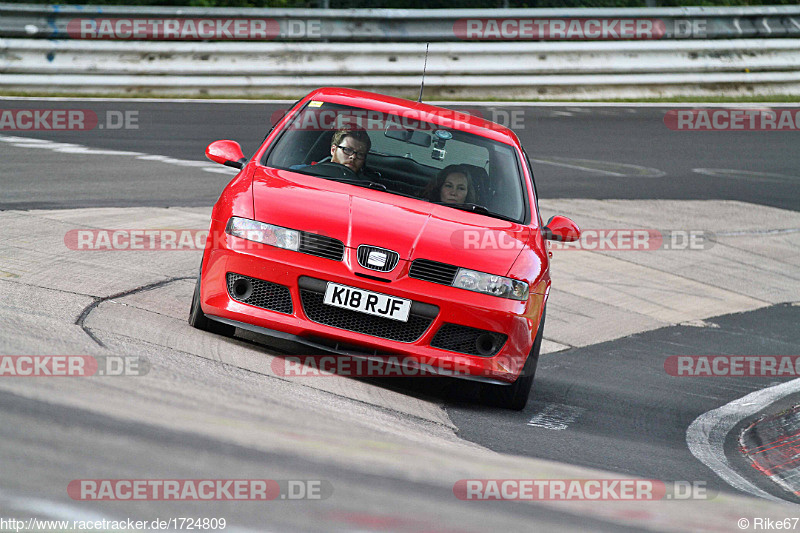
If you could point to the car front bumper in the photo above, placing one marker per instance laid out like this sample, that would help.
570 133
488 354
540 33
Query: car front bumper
300 315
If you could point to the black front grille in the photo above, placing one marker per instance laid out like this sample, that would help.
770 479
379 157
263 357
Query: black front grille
392 258
375 326
433 271
463 339
322 246
263 294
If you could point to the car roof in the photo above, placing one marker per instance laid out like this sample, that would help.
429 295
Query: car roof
459 120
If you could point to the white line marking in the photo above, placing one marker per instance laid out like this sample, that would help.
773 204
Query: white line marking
757 232
54 510
24 139
80 149
69 148
576 167
593 165
706 435
624 169
173 161
744 174
556 416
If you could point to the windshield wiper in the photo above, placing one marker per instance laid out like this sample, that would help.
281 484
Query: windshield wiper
480 209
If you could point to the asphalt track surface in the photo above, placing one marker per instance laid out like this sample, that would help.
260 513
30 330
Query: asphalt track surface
42 443
630 415
620 411
756 167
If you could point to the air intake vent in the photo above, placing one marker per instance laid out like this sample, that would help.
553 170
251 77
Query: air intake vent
321 246
432 271
471 341
260 293
385 328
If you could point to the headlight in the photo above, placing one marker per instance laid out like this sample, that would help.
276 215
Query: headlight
503 287
256 231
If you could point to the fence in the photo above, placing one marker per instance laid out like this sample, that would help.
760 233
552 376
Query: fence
418 25
383 50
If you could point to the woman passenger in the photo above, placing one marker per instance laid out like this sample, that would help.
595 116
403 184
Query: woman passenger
453 185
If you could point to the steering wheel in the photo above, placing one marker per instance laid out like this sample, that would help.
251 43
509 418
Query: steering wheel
334 170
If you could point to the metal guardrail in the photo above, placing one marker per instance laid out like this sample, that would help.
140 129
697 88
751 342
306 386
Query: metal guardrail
698 52
395 25
630 69
448 60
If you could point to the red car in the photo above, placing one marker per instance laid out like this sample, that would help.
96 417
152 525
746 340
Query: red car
368 225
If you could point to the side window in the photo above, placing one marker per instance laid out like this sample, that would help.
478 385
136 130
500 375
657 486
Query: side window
272 128
533 181
285 111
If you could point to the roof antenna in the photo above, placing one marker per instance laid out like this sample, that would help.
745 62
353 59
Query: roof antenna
423 72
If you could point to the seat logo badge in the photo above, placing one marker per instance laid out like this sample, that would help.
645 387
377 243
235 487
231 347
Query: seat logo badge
376 259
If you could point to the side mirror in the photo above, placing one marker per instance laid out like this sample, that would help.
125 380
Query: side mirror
227 153
562 229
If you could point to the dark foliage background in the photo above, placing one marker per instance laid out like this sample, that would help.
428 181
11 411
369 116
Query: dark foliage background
412 4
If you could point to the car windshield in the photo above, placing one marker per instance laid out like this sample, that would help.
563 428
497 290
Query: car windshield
404 156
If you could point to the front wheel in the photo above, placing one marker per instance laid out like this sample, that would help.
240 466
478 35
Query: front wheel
199 320
515 396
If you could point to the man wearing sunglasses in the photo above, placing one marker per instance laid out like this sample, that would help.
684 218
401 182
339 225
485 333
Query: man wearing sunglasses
350 147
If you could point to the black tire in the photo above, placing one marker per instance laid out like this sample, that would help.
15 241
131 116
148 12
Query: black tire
515 396
199 320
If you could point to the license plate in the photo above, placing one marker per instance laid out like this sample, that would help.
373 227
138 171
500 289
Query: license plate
371 303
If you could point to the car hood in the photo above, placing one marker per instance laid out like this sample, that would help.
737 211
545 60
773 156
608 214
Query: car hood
410 227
